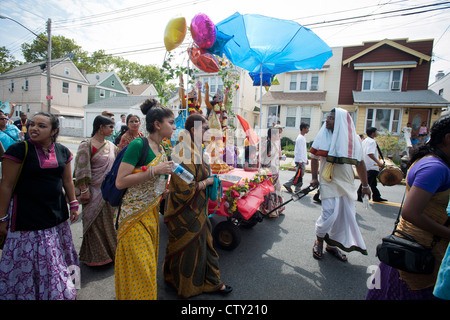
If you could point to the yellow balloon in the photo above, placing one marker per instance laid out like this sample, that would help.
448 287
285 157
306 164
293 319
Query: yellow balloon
175 33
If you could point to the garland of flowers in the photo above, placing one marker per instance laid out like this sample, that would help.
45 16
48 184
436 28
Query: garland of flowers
239 191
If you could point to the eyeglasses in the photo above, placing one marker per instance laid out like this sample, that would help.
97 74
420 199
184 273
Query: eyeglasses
110 125
3 118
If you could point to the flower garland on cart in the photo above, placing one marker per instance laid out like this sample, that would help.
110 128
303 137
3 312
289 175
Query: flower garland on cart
240 191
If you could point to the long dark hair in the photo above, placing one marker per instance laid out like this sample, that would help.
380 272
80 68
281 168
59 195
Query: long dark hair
100 121
437 133
154 111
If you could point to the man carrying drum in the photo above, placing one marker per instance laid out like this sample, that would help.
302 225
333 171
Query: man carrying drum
373 164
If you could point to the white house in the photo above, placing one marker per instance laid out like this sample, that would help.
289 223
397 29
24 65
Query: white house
26 86
303 96
116 105
441 85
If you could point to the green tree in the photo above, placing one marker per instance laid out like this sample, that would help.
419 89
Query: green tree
61 46
7 60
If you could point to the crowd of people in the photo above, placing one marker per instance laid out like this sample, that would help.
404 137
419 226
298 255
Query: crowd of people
39 256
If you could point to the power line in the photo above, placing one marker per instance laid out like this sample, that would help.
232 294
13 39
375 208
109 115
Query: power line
383 13
130 16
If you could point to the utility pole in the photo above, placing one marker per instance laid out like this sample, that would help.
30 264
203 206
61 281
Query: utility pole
49 61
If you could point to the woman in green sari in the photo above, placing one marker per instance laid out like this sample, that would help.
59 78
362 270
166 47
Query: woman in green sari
191 264
138 232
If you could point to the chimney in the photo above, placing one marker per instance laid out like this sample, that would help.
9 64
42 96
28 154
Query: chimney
439 75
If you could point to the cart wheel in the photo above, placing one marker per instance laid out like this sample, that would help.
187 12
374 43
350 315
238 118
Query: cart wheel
227 235
250 223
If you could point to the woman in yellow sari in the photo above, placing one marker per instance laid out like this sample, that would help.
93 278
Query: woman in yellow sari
191 264
138 231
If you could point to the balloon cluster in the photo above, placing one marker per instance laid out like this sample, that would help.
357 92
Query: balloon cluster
208 41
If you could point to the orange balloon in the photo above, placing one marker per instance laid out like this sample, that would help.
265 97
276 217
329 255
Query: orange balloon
175 33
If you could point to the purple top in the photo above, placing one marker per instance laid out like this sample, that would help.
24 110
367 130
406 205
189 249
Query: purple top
430 174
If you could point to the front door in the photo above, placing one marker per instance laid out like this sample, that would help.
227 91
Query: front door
416 117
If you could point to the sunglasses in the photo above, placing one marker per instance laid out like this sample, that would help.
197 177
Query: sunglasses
109 125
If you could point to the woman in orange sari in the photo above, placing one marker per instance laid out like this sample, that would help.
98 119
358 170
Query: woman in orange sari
138 232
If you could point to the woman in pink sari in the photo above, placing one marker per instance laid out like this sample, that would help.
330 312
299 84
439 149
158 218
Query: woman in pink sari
94 159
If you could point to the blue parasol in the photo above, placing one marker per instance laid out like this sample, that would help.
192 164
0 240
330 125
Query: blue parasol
267 46
270 46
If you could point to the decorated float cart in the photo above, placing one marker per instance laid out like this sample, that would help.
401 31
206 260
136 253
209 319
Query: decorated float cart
265 47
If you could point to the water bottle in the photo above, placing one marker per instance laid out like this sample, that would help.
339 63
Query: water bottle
182 172
366 201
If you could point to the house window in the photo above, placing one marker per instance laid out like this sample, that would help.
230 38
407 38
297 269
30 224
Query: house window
102 93
304 81
441 92
314 82
387 120
293 83
65 87
305 115
301 113
11 88
79 88
385 80
25 87
67 71
113 83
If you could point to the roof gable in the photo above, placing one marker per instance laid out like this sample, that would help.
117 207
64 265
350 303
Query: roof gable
391 43
103 80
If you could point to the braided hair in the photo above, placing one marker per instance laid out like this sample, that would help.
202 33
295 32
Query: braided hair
437 133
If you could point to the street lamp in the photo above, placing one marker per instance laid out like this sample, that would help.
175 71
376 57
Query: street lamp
49 55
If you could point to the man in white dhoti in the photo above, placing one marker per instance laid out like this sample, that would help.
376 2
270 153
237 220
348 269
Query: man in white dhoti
337 147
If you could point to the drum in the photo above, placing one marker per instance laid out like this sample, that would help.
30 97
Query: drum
390 175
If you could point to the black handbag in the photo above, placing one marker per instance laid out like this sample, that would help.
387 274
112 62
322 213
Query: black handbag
405 253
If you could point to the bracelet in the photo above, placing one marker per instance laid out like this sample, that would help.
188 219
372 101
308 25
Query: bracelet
74 201
152 173
366 187
74 208
5 218
85 190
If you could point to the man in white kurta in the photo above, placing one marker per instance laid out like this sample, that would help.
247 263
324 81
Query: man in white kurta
336 149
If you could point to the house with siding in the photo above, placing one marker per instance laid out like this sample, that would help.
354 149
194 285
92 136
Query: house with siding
384 84
105 85
441 85
26 86
303 96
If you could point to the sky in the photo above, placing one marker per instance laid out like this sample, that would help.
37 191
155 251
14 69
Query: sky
135 29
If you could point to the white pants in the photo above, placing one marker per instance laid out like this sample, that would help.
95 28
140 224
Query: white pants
337 225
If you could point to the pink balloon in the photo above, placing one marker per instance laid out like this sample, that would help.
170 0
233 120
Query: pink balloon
203 31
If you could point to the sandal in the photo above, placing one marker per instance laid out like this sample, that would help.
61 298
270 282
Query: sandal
317 250
338 254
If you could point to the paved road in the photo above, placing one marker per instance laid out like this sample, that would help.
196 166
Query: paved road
274 260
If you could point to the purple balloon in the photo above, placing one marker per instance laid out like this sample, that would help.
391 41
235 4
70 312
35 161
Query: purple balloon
203 31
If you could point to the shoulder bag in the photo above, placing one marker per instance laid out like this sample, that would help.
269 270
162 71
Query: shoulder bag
403 252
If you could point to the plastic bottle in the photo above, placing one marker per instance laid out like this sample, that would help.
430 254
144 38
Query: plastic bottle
182 173
366 201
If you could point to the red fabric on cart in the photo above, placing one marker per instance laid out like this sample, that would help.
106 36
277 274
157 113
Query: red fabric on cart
248 205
